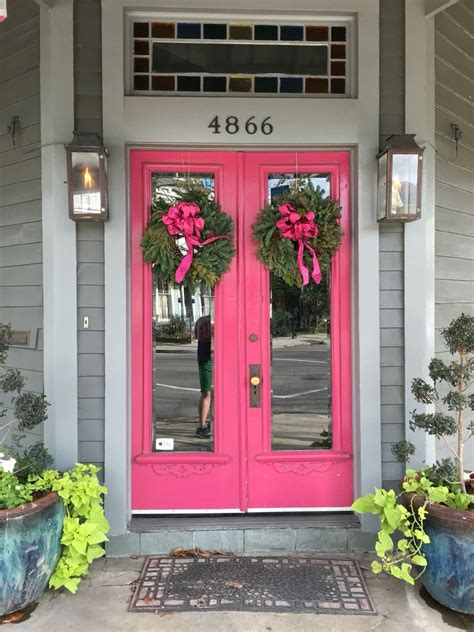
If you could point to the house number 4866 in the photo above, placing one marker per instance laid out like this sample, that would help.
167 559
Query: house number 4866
232 125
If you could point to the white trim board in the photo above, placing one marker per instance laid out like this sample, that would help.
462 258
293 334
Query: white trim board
59 233
420 235
153 122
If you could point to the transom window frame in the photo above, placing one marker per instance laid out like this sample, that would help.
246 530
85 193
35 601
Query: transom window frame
349 20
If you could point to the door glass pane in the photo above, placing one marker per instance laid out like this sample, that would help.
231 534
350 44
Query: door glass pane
183 333
300 323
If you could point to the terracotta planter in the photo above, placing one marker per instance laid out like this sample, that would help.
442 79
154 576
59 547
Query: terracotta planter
450 555
29 550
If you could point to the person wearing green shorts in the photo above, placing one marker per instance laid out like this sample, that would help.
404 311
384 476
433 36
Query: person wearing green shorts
202 331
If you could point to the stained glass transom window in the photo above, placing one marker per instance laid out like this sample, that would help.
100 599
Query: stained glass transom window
226 58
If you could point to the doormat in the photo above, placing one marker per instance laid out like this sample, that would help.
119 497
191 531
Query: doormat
257 584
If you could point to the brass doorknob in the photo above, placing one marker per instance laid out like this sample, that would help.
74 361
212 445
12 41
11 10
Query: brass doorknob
254 381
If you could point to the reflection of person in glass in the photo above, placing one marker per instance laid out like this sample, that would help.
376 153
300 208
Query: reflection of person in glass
294 322
203 332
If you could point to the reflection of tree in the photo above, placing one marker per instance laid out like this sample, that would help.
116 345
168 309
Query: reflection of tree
311 302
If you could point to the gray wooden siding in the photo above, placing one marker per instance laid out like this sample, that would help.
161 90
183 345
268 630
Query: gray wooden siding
392 121
90 241
454 243
21 270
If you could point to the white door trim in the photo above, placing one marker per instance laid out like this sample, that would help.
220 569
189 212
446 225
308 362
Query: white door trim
151 121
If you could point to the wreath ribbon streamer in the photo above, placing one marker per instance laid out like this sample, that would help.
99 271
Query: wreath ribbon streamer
184 219
300 227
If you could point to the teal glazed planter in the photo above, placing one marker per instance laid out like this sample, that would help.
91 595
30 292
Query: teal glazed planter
29 550
449 576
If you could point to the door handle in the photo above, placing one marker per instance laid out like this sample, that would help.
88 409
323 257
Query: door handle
254 383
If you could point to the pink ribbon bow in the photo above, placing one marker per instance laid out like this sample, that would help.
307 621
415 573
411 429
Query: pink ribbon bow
183 219
300 227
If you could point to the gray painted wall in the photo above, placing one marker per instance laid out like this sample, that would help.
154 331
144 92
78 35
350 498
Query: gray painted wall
21 274
392 121
454 245
90 241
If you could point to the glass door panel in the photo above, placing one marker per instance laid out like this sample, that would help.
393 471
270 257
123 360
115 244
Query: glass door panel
182 341
300 349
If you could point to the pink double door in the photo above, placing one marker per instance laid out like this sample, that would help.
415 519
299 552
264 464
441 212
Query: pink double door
285 443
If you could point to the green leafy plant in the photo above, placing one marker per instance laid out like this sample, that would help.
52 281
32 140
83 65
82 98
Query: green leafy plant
457 376
404 514
280 324
399 514
85 526
27 410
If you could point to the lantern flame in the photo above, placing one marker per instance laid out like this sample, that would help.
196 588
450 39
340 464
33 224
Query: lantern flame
88 182
397 201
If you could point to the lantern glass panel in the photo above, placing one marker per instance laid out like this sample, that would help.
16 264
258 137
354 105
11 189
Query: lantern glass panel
404 184
382 188
86 182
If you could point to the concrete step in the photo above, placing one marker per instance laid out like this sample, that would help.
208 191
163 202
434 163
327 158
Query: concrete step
249 533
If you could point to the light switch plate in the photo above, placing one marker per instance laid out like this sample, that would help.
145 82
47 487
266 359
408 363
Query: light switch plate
164 444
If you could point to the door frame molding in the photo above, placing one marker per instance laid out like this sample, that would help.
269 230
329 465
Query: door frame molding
339 124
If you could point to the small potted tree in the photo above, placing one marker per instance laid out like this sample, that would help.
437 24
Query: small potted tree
52 524
427 529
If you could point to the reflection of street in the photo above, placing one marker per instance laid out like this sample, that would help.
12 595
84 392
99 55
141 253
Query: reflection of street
300 402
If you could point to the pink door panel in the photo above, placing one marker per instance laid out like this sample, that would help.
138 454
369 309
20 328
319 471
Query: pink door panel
192 480
297 478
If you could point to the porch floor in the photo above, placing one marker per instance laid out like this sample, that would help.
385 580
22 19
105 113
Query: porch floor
103 597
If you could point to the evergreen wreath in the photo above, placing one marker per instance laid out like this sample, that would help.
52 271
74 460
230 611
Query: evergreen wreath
189 239
298 230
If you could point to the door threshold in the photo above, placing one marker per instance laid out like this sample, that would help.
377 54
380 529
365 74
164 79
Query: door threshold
218 521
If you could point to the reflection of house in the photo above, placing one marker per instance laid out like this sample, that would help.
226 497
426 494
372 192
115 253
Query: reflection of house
169 301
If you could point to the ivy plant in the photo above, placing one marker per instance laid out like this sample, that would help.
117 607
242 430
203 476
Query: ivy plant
400 540
85 526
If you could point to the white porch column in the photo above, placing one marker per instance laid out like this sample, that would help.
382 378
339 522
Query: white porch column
420 235
59 233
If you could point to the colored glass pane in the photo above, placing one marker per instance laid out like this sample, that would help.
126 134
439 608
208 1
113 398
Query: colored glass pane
215 84
240 84
338 33
140 29
141 47
141 64
291 33
291 84
215 31
317 33
240 31
266 84
189 84
189 31
338 86
141 82
316 85
266 32
164 83
338 51
338 68
162 29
